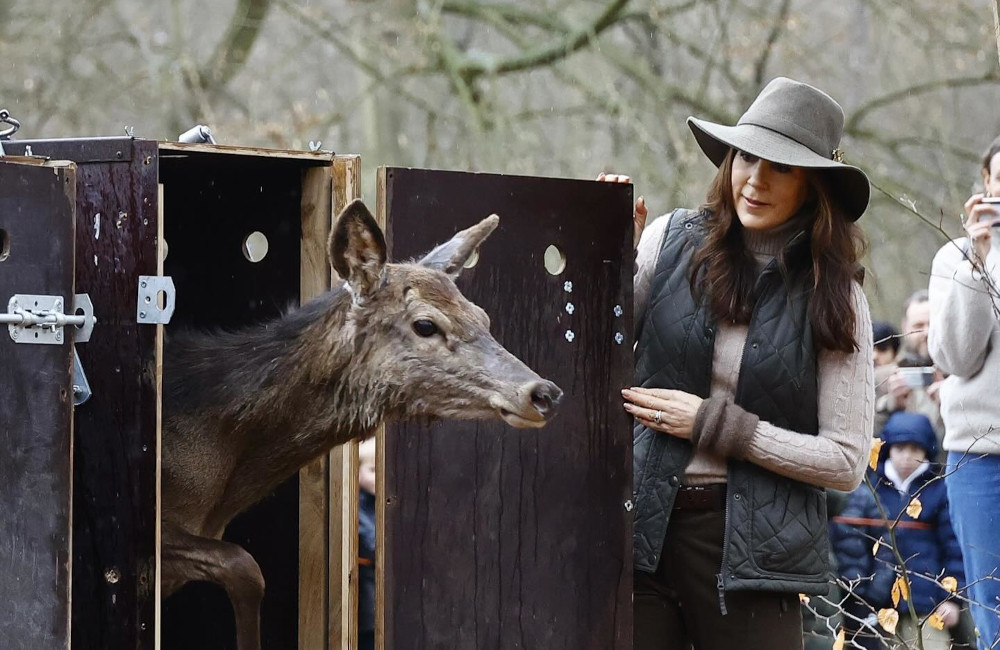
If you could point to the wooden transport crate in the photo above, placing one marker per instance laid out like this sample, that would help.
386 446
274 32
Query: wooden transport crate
136 202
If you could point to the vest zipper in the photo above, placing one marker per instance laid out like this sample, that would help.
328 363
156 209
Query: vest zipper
720 582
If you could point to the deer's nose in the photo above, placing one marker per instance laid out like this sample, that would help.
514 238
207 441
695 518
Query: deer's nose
545 398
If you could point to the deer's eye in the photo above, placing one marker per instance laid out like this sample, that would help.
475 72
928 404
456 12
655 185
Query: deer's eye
425 328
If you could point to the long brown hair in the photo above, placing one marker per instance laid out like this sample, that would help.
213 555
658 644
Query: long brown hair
835 245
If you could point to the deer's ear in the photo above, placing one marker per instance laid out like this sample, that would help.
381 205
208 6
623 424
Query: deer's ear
357 249
451 256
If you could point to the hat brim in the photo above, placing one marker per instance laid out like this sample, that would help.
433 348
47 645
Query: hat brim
850 184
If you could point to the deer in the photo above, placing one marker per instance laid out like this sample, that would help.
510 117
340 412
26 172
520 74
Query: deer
244 410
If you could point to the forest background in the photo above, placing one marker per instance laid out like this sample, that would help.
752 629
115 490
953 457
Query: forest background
548 87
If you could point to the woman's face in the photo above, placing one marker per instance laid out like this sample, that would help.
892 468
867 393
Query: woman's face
767 194
991 177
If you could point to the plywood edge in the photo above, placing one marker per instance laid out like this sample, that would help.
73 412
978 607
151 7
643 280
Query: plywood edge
314 484
344 471
160 254
381 210
319 157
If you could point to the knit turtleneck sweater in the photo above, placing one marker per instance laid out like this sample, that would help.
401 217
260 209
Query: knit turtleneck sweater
836 456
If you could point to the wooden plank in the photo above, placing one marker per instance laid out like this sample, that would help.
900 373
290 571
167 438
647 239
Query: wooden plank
496 538
314 487
319 157
381 560
114 571
343 463
37 211
160 254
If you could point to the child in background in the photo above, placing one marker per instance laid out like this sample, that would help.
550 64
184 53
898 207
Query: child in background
926 542
366 546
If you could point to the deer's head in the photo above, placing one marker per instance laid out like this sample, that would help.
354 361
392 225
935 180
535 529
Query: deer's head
429 346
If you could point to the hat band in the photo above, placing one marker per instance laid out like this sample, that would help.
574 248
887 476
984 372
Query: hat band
796 134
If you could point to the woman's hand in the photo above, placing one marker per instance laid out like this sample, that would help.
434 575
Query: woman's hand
677 409
978 222
638 214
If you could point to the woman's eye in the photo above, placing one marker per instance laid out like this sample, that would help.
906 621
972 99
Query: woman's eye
425 328
748 157
782 169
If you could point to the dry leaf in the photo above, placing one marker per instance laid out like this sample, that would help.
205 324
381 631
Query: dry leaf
936 621
803 599
914 508
950 584
876 448
888 619
878 542
899 590
841 640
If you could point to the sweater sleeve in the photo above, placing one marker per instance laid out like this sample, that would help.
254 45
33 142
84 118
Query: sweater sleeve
962 312
837 456
645 266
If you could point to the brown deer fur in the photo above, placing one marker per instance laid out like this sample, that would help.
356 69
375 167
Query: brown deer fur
243 411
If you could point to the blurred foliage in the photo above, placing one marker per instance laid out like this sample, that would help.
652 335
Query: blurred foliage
548 87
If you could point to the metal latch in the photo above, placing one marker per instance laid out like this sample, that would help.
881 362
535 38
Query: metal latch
39 320
157 298
81 387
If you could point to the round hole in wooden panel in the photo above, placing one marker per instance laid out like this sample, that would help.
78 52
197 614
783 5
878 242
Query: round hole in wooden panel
166 250
555 260
4 245
255 246
473 259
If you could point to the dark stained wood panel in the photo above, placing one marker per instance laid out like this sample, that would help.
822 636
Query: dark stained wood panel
37 208
497 538
114 532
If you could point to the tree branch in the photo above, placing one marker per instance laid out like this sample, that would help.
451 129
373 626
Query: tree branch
232 52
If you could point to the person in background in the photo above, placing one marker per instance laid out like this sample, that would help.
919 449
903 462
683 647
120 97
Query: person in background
366 545
911 382
886 342
926 541
964 341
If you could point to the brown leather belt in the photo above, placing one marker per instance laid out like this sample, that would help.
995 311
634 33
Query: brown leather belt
701 497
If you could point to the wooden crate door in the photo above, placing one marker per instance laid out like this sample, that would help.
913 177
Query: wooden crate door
37 212
497 538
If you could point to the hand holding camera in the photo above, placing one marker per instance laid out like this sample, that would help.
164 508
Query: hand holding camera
983 215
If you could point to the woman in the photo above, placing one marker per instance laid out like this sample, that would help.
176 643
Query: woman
964 339
754 380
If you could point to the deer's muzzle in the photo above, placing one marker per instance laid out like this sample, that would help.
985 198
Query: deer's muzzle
536 402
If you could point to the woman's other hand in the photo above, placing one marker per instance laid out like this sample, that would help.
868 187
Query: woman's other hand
978 222
638 214
677 409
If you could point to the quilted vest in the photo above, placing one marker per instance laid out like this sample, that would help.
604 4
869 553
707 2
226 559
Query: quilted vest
776 528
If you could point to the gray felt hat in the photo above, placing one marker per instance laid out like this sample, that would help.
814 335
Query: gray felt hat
795 124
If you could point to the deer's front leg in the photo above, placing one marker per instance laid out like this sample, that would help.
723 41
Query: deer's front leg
187 558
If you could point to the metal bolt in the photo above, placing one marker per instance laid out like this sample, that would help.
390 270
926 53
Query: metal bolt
568 287
142 314
112 576
148 300
570 335
58 336
143 284
629 505
570 308
619 338
14 334
618 311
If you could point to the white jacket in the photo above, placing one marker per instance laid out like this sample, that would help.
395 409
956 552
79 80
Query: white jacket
964 341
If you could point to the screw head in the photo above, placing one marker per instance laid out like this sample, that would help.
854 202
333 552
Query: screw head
618 311
570 335
619 338
142 314
570 308
14 334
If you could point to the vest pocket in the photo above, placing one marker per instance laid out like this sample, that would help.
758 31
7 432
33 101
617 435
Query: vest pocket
788 527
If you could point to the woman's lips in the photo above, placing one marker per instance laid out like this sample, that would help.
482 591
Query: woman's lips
754 204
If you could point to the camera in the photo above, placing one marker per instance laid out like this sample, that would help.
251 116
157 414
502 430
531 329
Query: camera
993 200
920 377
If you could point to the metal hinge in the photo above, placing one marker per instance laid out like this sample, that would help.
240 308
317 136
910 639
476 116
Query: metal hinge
39 320
156 301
